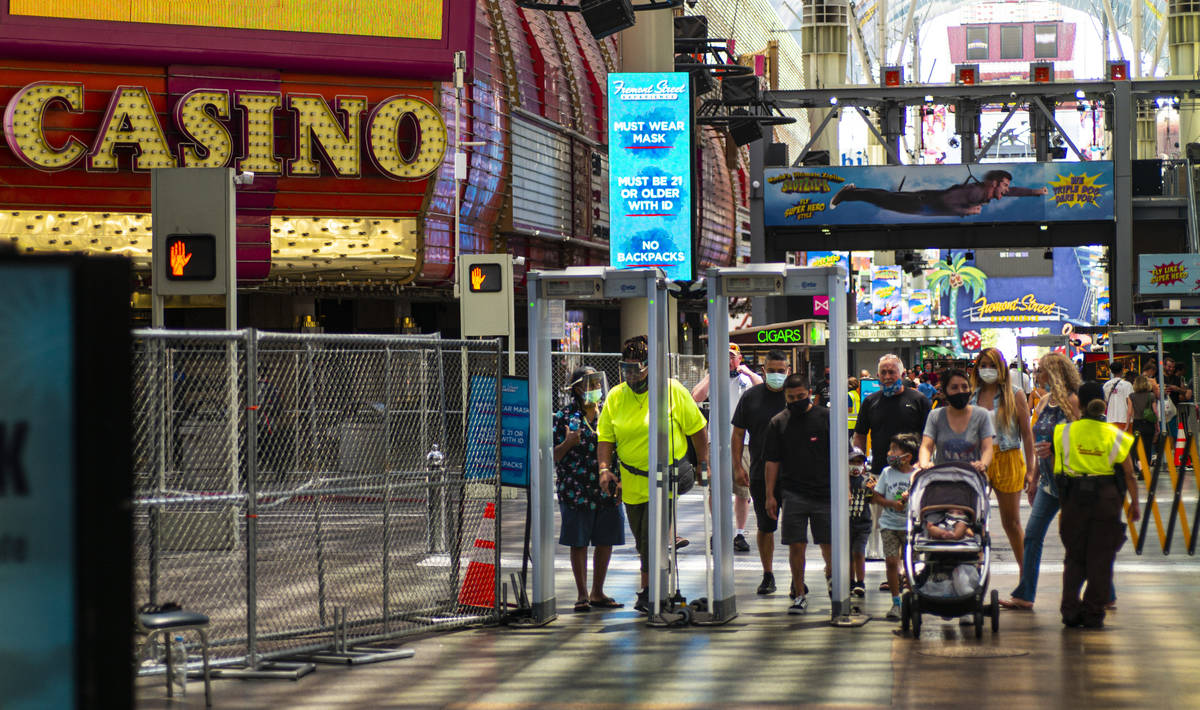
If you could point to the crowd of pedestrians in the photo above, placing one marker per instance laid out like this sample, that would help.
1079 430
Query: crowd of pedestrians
1064 443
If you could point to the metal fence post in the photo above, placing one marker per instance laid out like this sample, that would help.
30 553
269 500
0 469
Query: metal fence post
387 477
499 476
250 339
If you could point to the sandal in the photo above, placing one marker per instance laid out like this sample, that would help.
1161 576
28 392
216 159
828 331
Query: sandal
681 542
1016 603
583 606
606 603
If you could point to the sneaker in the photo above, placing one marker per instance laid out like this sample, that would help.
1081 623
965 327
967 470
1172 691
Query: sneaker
643 602
893 613
681 542
768 583
799 605
740 544
858 589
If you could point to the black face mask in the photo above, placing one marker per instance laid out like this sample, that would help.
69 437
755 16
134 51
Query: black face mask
640 386
800 406
960 400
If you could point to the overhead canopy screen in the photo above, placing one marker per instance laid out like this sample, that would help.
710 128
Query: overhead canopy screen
1017 262
410 19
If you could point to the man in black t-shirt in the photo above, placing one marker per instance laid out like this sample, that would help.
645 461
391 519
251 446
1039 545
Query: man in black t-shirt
894 409
753 413
797 458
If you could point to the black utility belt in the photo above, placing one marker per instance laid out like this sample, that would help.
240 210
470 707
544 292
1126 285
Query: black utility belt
1087 484
682 474
646 474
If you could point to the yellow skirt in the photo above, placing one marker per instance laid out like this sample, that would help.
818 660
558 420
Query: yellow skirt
1007 472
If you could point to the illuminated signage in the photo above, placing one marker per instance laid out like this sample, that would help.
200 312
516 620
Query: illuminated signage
1017 310
1168 273
404 137
411 19
650 172
780 335
192 257
816 197
485 278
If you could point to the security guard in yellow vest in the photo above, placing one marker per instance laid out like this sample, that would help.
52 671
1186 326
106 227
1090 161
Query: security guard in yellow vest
855 405
1086 454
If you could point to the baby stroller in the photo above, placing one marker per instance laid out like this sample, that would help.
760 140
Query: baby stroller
949 577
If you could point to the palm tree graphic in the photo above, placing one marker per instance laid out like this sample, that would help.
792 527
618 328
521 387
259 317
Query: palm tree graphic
953 276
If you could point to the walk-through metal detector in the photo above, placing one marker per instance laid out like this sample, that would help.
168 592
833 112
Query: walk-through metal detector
759 280
1149 338
1038 341
591 283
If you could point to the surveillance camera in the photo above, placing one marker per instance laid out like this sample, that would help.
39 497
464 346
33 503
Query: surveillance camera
756 184
246 178
692 3
518 261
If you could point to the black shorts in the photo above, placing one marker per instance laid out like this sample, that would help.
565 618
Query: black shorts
758 494
802 514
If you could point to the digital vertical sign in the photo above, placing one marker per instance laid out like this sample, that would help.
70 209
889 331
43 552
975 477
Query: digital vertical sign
650 172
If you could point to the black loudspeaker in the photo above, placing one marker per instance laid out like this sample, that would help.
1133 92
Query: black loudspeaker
776 156
739 90
1147 177
702 81
691 27
1192 151
606 17
745 130
816 157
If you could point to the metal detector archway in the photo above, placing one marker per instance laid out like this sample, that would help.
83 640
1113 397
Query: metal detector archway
1038 341
589 283
764 280
1151 338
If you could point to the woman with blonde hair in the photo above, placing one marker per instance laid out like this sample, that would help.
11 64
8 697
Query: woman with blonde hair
1059 378
1009 472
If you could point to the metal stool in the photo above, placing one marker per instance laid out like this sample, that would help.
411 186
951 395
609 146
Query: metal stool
169 622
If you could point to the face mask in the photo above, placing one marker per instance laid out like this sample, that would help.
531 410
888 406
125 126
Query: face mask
799 406
960 400
592 396
895 460
989 374
775 380
639 387
733 374
856 469
891 390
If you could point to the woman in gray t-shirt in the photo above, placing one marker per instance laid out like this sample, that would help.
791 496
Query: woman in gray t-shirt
960 431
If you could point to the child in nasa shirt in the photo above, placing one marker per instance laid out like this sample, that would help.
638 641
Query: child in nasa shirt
891 493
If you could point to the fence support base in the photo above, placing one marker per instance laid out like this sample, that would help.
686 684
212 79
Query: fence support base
277 670
360 655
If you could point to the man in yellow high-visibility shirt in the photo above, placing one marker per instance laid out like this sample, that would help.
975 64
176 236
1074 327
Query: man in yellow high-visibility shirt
1086 453
624 426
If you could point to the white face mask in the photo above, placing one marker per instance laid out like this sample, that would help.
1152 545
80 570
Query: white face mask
989 374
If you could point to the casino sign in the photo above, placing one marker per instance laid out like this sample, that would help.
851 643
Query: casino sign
403 137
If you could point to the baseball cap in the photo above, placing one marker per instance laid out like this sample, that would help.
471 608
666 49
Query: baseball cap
857 453
734 348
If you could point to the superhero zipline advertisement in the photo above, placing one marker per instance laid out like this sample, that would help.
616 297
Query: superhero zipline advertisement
939 194
650 172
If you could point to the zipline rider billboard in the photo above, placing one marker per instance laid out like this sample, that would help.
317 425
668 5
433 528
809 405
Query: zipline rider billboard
650 172
939 194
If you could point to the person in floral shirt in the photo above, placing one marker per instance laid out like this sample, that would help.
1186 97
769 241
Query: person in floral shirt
590 515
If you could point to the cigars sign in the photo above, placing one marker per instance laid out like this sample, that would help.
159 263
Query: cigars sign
402 136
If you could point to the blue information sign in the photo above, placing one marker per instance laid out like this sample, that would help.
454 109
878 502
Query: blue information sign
650 172
514 430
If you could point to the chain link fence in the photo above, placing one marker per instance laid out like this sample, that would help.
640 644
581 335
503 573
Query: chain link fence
309 491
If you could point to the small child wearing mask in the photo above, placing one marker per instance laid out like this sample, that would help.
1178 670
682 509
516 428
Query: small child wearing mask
891 492
862 487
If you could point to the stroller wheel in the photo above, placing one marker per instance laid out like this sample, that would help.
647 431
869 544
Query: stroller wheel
995 611
914 611
905 611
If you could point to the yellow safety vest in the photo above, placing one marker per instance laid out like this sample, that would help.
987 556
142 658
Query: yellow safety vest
1089 448
855 405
